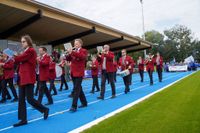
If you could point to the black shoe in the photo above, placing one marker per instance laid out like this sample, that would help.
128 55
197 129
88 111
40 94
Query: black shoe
15 100
125 91
3 101
60 90
92 92
82 106
97 90
46 114
100 97
8 98
54 94
49 103
20 123
113 96
72 109
70 95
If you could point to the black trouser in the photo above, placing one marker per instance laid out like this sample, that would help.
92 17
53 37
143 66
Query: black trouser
150 72
44 90
63 81
27 91
95 83
103 82
11 86
52 86
159 71
126 80
78 92
130 79
115 76
1 90
37 85
141 75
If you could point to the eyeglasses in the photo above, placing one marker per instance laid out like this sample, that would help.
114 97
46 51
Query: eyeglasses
23 41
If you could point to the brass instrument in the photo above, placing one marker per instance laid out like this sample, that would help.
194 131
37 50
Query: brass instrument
149 59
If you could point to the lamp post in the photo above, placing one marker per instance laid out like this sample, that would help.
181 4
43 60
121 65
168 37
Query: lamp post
143 28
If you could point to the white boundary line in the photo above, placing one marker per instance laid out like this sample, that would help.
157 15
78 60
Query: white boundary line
95 122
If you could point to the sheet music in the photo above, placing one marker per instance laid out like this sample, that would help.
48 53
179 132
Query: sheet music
99 49
8 52
68 46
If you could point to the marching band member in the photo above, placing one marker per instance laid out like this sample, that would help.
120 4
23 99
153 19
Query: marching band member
125 62
107 66
63 80
1 79
95 70
43 62
115 70
159 65
37 79
52 75
8 75
27 65
140 63
150 67
78 58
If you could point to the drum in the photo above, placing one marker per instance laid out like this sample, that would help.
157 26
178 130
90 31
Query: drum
124 73
58 71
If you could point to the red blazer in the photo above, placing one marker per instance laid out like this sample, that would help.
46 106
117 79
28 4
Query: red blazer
150 65
128 62
78 60
44 68
161 63
52 70
27 65
109 61
1 76
141 65
95 68
8 71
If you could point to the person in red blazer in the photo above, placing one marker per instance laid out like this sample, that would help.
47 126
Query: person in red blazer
106 60
95 71
140 63
1 80
8 74
77 57
43 62
52 75
150 67
159 65
63 80
126 62
27 65
115 70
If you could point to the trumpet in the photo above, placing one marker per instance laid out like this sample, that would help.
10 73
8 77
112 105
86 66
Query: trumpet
149 59
69 49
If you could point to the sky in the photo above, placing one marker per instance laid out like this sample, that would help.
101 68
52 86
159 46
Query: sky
126 15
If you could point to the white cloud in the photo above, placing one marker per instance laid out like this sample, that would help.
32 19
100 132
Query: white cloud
125 15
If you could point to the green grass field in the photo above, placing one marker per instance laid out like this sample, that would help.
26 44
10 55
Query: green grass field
173 110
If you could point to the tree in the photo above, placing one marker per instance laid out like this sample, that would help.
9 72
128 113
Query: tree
178 42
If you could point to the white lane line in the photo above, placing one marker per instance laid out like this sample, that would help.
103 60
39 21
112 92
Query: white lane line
95 122
63 111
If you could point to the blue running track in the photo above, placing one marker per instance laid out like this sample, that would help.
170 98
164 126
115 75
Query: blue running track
61 120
